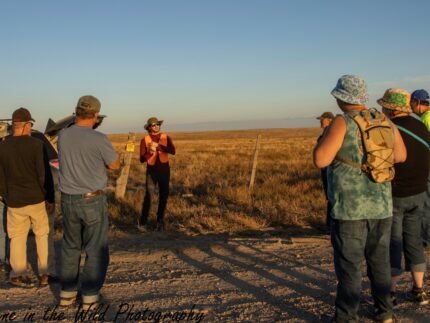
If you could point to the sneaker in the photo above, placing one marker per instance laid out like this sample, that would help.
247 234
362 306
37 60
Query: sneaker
378 318
419 296
43 280
67 301
91 306
142 228
21 281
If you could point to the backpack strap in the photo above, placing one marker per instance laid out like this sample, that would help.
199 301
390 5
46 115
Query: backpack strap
347 161
351 163
416 137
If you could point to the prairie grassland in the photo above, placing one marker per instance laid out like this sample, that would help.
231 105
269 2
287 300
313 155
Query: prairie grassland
210 175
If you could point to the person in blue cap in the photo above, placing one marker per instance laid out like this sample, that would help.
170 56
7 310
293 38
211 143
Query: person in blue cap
420 106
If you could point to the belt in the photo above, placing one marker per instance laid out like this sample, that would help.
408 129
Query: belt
92 194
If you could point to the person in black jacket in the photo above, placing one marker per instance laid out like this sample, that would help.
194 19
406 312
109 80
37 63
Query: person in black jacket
29 195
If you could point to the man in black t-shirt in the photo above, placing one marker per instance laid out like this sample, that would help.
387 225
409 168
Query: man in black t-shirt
409 188
28 194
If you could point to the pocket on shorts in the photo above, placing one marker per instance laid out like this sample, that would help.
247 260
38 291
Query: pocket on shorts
91 210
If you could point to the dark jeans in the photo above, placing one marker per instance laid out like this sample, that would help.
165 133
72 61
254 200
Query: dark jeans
152 180
405 234
352 241
325 187
426 217
85 222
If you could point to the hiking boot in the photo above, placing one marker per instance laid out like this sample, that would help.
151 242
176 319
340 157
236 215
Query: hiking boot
43 280
21 281
419 296
53 279
394 300
160 226
4 267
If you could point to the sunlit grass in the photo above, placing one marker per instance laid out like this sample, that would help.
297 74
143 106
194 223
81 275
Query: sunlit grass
210 178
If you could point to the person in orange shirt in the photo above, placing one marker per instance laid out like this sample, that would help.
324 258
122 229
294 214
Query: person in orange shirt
155 148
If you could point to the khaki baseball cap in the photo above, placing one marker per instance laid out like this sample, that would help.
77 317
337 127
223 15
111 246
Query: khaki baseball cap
326 115
88 104
151 121
3 129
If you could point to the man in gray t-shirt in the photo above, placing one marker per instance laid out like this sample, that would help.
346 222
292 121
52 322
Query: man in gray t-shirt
84 155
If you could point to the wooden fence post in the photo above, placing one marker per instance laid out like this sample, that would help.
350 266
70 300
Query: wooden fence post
254 165
121 182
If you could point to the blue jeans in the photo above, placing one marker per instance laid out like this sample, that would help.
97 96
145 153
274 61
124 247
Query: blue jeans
85 222
352 241
406 234
4 240
426 217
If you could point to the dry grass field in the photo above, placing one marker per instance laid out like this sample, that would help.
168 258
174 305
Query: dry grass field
210 178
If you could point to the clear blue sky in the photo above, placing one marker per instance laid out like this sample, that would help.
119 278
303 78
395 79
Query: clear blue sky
203 61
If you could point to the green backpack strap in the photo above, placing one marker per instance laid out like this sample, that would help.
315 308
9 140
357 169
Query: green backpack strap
410 133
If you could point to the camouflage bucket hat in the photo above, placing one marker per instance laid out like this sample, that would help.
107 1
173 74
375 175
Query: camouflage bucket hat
152 121
397 100
351 89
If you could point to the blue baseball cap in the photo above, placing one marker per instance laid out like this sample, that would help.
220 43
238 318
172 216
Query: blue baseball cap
421 95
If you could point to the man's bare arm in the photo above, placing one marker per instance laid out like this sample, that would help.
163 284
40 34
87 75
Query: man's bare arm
327 148
115 165
400 152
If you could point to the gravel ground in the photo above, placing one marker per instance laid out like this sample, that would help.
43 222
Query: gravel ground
264 277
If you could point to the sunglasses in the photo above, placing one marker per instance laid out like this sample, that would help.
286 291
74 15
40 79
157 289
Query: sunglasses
155 124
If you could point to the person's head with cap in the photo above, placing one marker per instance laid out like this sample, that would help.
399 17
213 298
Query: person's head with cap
395 102
325 119
87 110
87 107
4 130
153 125
420 102
350 92
22 122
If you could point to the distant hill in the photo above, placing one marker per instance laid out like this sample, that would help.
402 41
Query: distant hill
228 125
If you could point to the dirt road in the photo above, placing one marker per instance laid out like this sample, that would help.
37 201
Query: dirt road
275 276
